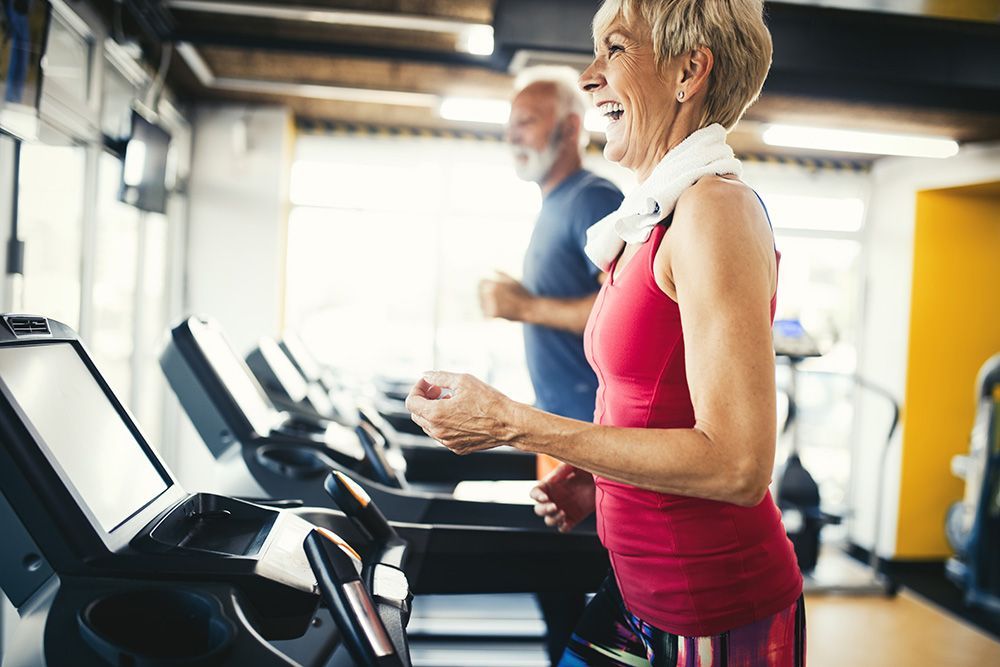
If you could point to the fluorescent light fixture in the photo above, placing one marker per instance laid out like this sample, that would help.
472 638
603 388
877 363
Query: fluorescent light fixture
475 110
824 214
850 141
477 40
594 121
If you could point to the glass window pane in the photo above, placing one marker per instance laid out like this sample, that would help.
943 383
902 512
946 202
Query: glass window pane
386 250
67 60
818 284
361 283
148 395
117 94
114 280
50 205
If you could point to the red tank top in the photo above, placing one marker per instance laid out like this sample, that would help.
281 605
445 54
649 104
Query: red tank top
688 566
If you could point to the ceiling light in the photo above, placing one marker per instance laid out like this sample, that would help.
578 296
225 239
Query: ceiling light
475 110
595 121
850 141
477 40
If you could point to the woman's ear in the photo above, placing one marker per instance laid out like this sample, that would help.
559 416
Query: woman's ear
696 66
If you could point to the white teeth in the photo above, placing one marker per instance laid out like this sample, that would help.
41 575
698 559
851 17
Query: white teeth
611 107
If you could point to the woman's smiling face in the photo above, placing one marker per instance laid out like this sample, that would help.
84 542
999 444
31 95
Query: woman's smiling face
633 93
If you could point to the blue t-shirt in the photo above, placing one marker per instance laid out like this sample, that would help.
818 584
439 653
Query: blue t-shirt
555 266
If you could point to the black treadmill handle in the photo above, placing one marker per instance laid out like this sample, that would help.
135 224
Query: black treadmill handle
350 604
358 506
374 444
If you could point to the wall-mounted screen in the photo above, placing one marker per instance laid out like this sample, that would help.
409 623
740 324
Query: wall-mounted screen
89 442
144 172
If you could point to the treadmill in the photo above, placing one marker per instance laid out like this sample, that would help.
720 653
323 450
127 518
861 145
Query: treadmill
306 364
311 407
387 401
264 451
109 561
292 392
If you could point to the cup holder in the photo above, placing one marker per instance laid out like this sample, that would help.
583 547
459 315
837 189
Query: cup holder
157 628
291 461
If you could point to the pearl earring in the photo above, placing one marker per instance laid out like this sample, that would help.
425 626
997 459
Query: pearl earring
680 95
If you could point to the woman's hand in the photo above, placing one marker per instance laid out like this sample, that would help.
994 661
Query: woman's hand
565 497
461 412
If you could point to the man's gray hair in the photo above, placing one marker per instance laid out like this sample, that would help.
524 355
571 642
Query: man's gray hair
571 100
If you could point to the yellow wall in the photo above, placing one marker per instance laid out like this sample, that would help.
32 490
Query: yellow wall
954 328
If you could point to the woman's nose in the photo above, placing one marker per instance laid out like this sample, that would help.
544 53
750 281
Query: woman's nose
592 78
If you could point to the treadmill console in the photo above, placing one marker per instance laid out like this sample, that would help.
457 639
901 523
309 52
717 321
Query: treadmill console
60 400
793 341
227 404
79 478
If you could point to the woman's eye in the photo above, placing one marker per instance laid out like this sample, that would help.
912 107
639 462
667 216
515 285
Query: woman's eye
615 49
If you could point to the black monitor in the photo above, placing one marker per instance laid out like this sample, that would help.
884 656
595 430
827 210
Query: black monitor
24 28
237 380
297 352
108 469
284 371
144 171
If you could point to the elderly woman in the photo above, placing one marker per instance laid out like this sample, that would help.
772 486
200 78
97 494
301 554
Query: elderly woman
678 463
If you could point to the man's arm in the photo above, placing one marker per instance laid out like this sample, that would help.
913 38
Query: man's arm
506 298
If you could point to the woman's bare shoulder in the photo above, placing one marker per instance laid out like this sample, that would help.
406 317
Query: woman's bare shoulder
719 204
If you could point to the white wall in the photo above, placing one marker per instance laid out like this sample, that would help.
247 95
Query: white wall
885 324
237 216
237 213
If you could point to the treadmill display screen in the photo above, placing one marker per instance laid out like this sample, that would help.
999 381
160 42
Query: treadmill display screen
284 370
237 378
298 353
93 449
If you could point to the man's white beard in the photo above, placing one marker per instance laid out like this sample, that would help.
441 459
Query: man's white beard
537 163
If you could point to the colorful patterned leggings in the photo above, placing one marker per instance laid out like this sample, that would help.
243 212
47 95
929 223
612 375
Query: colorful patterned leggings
609 636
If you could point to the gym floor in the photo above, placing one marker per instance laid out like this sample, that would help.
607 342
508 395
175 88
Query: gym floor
906 629
903 630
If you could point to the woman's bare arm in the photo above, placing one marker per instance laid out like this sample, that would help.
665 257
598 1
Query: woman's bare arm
722 267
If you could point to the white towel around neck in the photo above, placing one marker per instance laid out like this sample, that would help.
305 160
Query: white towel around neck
702 153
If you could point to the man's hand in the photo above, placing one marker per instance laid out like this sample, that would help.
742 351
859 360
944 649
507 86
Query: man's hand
504 297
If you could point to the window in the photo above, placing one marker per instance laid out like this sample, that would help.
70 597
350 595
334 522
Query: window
387 242
819 223
129 298
50 223
113 292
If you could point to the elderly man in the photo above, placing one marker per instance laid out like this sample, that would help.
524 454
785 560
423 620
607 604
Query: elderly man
560 283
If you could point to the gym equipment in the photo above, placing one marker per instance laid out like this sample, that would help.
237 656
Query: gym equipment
109 561
308 366
263 453
973 524
312 407
797 493
290 391
389 400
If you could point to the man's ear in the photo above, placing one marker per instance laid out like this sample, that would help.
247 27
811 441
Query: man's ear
570 128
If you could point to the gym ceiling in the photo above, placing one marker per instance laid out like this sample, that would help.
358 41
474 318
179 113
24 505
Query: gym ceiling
908 66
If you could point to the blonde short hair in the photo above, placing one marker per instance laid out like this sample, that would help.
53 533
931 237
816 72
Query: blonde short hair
734 30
